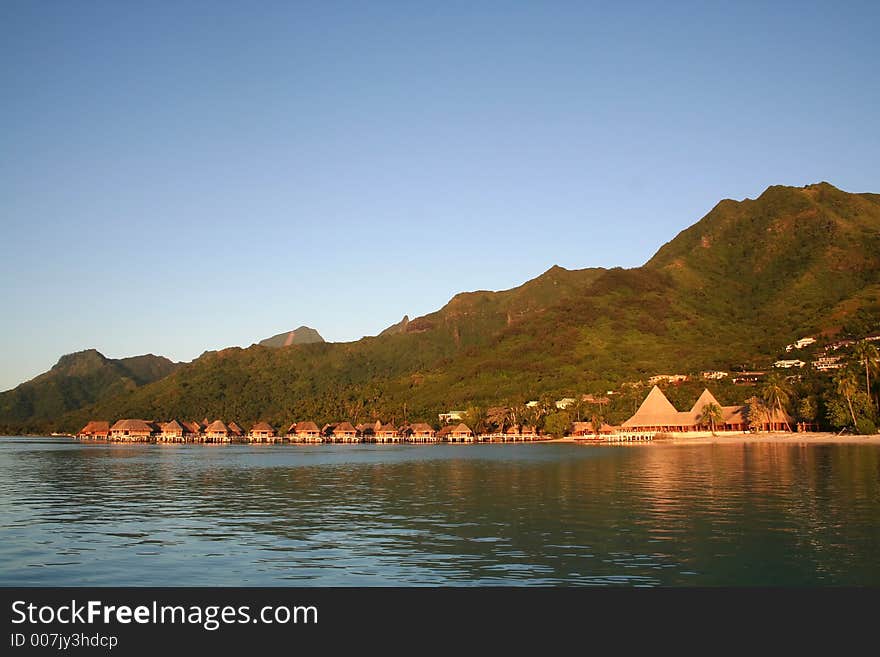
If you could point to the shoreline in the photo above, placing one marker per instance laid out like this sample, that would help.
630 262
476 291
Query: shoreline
809 438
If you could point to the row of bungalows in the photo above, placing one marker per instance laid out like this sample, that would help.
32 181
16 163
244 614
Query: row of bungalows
514 433
587 430
177 431
657 414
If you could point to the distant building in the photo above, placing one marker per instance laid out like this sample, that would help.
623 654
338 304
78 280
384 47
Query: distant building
532 404
834 346
451 416
668 378
565 402
747 377
800 344
713 374
787 364
826 363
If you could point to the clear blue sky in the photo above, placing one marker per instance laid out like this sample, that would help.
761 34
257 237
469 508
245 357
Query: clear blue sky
183 176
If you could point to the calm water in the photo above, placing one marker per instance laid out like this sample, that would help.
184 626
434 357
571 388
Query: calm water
79 514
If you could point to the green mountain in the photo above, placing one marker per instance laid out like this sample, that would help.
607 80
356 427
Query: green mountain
734 288
77 380
301 335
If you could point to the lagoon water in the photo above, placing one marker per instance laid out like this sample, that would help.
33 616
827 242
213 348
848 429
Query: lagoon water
535 514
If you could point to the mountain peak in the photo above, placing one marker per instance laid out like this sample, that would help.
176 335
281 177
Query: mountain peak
80 360
400 327
301 335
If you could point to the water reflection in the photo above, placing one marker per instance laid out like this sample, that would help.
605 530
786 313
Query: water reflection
485 514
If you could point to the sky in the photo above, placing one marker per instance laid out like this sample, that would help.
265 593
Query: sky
177 177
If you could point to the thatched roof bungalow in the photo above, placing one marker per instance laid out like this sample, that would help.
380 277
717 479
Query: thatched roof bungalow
306 429
261 431
95 430
366 430
191 428
386 433
217 432
130 430
344 431
172 431
460 433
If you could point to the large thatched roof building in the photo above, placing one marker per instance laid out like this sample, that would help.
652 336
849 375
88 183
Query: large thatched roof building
657 414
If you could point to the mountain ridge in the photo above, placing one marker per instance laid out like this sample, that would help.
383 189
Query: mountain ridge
746 278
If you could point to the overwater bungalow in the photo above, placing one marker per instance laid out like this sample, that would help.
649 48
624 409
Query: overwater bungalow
235 431
95 430
387 433
135 431
585 429
516 433
344 432
262 432
304 432
460 433
171 432
420 432
192 432
367 432
217 432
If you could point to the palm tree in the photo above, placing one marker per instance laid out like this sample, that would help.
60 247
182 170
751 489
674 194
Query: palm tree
711 415
847 387
475 417
867 354
776 393
596 420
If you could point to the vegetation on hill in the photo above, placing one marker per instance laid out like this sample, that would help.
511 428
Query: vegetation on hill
77 380
727 292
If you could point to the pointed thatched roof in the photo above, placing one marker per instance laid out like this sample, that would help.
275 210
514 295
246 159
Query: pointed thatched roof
462 428
344 427
261 427
172 427
655 411
95 426
192 427
306 427
139 426
705 398
692 418
217 426
235 429
421 427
